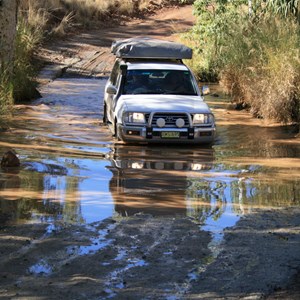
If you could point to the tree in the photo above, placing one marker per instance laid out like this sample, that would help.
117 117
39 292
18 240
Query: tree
8 24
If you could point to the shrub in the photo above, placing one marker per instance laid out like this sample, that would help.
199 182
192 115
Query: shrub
89 12
261 68
211 33
20 85
28 39
254 53
39 19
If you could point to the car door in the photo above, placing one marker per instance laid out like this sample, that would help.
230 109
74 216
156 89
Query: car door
110 99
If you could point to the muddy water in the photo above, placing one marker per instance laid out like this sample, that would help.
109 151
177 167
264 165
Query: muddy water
72 171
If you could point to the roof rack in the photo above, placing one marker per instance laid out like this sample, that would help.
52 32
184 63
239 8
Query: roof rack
144 47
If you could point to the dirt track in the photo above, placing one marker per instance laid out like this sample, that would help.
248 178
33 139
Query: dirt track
146 257
90 54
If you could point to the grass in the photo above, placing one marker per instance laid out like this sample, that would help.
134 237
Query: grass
85 12
42 19
20 85
257 62
28 39
261 69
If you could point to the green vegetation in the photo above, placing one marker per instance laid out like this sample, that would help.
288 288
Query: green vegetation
60 13
20 85
262 70
43 19
27 40
252 48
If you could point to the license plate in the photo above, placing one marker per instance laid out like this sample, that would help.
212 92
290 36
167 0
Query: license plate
170 135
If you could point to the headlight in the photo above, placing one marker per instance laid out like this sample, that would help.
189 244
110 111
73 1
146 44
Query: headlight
203 119
134 117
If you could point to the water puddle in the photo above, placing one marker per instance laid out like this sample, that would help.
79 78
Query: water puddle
115 280
95 245
47 265
73 171
42 268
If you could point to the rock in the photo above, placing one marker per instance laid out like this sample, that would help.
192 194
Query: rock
10 159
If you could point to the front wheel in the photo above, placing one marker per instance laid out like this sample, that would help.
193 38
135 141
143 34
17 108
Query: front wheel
104 119
116 133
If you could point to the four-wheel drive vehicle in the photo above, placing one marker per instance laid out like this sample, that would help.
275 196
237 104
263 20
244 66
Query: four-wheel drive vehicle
152 96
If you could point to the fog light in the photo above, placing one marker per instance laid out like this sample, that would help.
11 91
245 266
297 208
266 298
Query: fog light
133 132
160 122
159 166
207 133
179 123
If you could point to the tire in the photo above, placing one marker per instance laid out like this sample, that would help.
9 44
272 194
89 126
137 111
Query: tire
104 119
116 135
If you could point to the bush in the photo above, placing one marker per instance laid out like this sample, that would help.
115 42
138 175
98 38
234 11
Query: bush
20 85
88 13
210 35
261 69
40 19
254 55
203 62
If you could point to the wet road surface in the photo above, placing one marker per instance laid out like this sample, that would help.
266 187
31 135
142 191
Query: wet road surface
73 170
87 217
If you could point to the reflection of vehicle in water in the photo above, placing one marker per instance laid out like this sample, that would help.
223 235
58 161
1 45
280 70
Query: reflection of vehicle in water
154 180
188 181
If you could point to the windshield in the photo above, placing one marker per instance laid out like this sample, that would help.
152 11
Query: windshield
169 82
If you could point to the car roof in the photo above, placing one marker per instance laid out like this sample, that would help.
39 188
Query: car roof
146 47
156 66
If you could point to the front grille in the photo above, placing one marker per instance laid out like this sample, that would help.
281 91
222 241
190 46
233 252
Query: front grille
170 119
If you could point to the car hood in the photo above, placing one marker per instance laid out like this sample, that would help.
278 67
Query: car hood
163 103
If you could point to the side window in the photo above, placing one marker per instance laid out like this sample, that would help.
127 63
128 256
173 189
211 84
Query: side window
114 72
118 80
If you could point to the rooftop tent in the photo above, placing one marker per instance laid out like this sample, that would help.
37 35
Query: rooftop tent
144 47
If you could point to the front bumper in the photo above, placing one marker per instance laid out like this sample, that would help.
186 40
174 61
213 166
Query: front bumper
139 134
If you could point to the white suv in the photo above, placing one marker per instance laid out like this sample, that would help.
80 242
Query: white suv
152 96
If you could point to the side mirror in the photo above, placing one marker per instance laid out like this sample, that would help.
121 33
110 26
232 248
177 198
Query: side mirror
205 90
111 89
